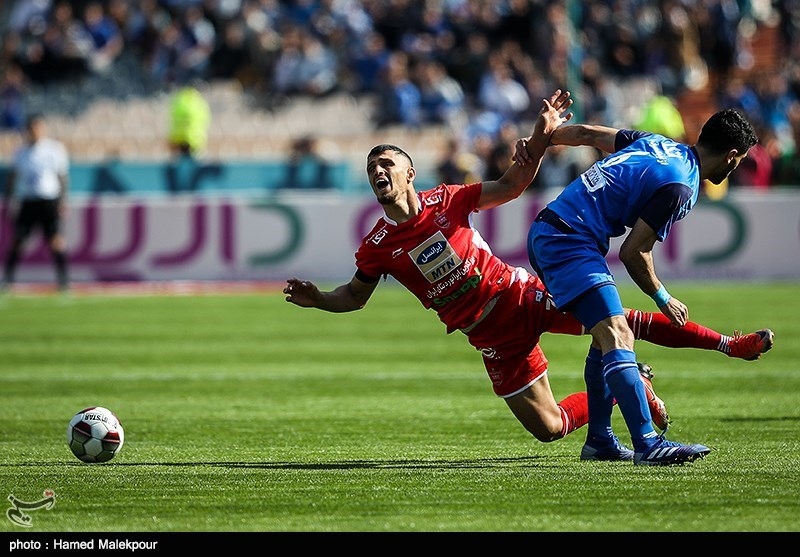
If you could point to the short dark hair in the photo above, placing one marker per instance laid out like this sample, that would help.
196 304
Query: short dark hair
378 149
726 130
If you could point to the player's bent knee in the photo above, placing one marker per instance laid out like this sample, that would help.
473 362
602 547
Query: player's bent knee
538 413
544 428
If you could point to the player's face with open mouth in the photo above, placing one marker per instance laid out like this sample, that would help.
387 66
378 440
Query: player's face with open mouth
388 176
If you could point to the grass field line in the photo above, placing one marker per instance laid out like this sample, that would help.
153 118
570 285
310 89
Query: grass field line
150 288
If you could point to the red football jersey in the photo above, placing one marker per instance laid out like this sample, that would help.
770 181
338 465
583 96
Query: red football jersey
439 256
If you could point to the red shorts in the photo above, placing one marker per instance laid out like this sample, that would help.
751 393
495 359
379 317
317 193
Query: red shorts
508 337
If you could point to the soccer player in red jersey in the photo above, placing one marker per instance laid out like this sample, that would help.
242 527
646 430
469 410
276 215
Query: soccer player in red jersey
427 242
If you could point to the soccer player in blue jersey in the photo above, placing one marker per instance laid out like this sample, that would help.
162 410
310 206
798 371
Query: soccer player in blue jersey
646 184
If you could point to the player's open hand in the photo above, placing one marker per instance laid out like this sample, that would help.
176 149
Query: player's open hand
554 113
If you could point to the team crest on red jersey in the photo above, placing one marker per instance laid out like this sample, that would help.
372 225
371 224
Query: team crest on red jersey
442 221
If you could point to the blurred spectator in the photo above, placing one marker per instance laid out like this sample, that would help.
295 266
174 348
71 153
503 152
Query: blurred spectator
106 180
448 169
518 20
368 60
331 18
457 166
482 147
501 100
307 168
500 93
12 91
28 15
467 62
560 40
11 48
681 41
755 171
304 65
596 99
430 34
64 50
560 166
776 100
261 19
190 118
183 49
623 55
441 96
788 12
200 36
399 99
661 115
393 19
141 24
524 71
734 92
125 16
164 65
231 58
12 53
500 158
718 23
300 12
106 37
286 71
787 162
319 68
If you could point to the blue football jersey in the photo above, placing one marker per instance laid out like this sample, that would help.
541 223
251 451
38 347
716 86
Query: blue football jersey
649 177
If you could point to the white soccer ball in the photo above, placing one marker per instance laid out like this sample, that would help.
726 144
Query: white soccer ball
95 434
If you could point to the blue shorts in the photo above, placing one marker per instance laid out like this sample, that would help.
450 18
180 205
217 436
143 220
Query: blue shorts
597 304
569 264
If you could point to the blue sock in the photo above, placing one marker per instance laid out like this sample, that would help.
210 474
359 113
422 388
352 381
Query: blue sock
601 403
622 376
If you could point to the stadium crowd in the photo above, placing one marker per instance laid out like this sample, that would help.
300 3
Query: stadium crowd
477 66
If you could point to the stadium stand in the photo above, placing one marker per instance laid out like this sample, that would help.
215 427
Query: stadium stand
121 113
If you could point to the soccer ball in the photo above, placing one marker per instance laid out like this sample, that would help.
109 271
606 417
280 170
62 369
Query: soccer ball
95 435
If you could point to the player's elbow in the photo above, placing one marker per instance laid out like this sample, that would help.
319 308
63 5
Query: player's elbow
627 255
634 263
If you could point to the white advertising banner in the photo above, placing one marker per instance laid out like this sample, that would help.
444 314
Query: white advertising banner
747 236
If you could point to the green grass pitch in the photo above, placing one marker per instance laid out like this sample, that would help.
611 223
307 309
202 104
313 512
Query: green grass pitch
243 413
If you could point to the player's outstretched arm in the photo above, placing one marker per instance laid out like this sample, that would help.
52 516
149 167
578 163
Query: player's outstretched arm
347 297
599 137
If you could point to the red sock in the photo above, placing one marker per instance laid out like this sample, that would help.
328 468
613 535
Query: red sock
658 329
574 412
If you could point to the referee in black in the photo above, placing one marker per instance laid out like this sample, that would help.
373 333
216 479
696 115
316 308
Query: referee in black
38 182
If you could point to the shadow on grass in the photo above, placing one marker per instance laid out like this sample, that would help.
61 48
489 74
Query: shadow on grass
410 464
399 464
